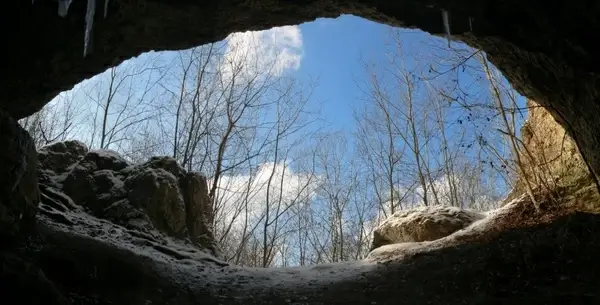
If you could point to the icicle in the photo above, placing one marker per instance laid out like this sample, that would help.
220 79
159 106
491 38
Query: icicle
471 24
446 25
63 7
89 23
106 8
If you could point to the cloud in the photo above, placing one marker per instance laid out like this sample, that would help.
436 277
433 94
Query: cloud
237 191
277 50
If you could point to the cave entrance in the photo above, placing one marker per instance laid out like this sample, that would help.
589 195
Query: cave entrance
308 138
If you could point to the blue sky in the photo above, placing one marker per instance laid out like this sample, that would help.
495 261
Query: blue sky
334 52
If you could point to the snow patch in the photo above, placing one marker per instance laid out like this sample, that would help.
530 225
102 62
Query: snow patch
397 251
106 153
187 264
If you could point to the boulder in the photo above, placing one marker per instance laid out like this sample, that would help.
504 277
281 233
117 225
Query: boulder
93 181
19 192
166 163
423 224
155 195
103 159
395 251
156 191
58 156
79 185
198 208
123 213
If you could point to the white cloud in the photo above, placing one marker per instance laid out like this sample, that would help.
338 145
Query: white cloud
278 49
235 191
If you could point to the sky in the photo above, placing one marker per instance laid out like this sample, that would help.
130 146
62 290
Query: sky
331 51
335 50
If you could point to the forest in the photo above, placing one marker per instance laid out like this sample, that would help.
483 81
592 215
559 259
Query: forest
287 189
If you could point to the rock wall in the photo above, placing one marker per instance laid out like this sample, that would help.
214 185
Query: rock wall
157 195
550 158
548 56
19 193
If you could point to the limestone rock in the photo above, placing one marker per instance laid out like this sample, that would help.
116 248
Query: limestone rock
19 192
198 208
103 159
550 157
79 185
166 163
157 195
123 213
156 191
423 224
58 156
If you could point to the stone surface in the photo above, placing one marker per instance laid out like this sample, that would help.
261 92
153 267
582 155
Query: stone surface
156 191
198 208
550 158
422 224
90 261
103 159
157 195
547 49
19 192
58 156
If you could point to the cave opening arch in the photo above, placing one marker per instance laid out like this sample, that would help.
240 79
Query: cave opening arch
545 55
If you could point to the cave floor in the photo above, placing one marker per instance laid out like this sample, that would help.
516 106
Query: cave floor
514 257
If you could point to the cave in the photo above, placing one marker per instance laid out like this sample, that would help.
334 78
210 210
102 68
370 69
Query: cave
545 49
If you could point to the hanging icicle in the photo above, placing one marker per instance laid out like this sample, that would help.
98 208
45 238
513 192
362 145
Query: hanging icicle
446 20
106 8
63 7
471 24
89 24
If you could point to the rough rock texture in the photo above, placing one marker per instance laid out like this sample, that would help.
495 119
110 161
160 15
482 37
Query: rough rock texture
76 258
550 57
157 195
19 193
422 224
550 157
547 49
156 191
58 156
199 211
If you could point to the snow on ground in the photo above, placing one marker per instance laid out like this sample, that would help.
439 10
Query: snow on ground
188 262
191 267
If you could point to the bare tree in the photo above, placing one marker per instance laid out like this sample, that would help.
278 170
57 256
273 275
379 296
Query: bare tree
57 121
124 97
